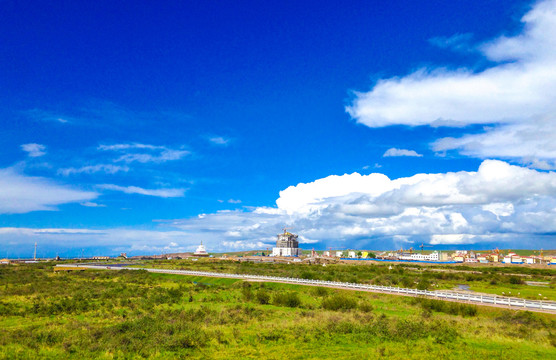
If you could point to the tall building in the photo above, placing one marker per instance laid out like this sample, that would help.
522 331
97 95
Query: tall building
286 245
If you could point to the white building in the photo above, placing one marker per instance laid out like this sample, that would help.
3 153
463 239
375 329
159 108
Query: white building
434 256
201 251
287 245
339 254
351 254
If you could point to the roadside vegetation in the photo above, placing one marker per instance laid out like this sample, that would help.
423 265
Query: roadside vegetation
98 314
502 281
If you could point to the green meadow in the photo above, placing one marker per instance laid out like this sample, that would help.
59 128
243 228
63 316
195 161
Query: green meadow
134 315
502 281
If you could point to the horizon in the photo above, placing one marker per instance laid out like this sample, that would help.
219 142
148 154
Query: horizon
150 128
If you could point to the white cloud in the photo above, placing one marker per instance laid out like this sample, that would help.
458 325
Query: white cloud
163 156
119 147
20 193
145 153
92 204
42 115
219 140
498 203
452 239
34 150
531 143
164 193
400 152
246 245
515 96
457 42
234 201
90 169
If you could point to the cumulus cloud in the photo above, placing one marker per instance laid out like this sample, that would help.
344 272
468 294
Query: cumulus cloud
34 150
20 193
499 203
400 152
90 169
144 153
531 143
164 193
514 96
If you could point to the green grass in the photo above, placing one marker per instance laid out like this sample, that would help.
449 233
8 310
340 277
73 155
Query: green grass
495 280
135 315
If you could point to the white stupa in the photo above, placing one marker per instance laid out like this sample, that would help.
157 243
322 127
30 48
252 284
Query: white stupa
201 251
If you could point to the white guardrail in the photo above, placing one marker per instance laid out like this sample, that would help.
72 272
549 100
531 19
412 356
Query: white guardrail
549 306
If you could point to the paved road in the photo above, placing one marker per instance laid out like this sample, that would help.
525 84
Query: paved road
479 299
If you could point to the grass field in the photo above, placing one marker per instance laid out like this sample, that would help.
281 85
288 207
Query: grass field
502 281
135 314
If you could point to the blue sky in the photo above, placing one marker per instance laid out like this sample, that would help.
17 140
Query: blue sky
147 128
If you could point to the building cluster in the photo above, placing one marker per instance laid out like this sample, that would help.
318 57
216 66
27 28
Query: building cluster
469 256
351 254
496 256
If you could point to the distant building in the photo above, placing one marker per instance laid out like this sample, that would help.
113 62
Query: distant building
434 256
201 251
286 245
101 257
351 254
326 253
528 259
339 253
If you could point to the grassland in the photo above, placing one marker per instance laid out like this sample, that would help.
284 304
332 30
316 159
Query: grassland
502 281
135 314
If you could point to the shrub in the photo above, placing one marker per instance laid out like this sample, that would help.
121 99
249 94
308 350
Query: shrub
263 297
423 284
365 307
452 308
339 302
320 291
289 299
246 291
516 280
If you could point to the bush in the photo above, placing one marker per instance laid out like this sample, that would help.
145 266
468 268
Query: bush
320 291
448 307
423 284
339 302
263 297
516 280
365 307
289 299
246 291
